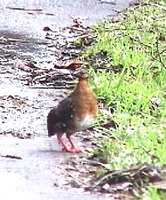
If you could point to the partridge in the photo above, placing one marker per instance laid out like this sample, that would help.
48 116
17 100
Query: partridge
77 112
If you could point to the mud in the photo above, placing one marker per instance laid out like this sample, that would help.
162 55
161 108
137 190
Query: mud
53 13
36 174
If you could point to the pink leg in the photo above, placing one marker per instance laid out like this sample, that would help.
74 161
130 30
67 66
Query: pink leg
73 149
59 137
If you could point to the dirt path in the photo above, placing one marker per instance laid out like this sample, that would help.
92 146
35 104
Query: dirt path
30 162
36 174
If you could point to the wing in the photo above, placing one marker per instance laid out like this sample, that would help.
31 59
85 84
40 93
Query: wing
59 116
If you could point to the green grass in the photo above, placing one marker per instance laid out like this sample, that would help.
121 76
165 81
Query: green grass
133 53
153 194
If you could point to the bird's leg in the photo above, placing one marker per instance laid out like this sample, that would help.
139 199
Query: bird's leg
73 149
59 137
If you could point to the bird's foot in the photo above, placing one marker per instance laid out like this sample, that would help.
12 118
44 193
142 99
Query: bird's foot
73 150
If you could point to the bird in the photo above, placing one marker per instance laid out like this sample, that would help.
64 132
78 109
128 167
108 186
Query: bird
77 112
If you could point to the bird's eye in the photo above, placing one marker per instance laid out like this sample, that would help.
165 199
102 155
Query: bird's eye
64 125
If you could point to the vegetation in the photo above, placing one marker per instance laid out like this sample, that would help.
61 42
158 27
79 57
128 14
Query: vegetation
129 75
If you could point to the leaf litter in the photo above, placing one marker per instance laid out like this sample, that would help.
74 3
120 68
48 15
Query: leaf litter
120 184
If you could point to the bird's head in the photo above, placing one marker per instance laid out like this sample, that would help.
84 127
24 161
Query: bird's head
80 73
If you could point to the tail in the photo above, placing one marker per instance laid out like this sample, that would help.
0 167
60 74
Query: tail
49 126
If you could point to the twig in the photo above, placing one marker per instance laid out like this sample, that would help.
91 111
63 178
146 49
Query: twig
157 5
159 53
12 157
69 87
